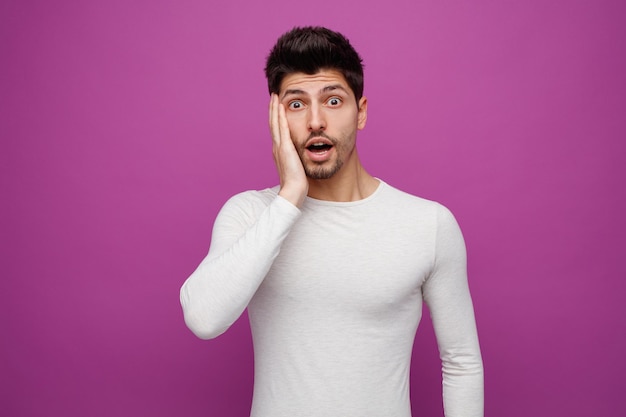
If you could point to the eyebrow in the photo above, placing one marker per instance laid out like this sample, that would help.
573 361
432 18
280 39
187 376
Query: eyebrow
333 88
326 89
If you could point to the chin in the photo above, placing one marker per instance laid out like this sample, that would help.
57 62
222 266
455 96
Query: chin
320 172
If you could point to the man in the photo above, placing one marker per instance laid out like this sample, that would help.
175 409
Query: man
333 264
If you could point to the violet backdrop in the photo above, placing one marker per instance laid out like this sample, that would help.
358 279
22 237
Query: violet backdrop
125 126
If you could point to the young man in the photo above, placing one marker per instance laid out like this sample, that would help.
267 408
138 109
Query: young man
333 264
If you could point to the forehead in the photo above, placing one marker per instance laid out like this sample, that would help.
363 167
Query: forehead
313 83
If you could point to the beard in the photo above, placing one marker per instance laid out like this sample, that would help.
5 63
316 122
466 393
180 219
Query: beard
317 171
322 170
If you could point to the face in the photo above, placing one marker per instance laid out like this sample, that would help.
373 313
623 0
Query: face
323 118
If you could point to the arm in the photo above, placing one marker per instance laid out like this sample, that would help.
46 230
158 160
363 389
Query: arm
447 294
245 241
243 249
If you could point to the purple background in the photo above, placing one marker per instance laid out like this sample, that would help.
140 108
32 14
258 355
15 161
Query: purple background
125 126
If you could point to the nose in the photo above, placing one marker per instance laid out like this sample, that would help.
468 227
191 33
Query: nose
316 119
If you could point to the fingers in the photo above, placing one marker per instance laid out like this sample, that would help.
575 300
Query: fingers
279 126
274 115
270 109
283 126
293 181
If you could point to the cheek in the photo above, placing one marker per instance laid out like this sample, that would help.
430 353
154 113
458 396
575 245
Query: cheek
347 119
297 125
293 120
347 125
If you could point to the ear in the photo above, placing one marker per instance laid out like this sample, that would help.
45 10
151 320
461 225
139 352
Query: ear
362 114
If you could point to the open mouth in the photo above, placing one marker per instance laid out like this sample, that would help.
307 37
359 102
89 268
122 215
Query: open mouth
319 147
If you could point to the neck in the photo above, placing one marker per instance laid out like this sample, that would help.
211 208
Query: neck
351 183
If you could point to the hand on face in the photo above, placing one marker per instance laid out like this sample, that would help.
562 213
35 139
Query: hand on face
293 181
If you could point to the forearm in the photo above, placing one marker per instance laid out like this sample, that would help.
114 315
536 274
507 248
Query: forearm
463 394
459 349
219 290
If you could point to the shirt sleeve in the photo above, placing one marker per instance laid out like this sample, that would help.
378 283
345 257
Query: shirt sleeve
446 292
247 236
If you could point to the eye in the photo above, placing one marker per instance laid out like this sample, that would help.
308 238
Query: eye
334 101
295 105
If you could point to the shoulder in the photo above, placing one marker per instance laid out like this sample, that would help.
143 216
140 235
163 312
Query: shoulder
409 207
396 197
248 204
253 197
436 219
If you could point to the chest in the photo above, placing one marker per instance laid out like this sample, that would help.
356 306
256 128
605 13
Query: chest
369 264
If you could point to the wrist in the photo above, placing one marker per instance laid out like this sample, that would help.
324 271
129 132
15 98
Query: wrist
295 196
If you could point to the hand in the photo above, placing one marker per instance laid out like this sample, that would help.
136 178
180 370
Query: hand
293 181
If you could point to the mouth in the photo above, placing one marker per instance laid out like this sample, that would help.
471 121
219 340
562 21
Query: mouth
319 145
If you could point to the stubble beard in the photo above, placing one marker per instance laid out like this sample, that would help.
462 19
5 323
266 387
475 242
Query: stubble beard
321 170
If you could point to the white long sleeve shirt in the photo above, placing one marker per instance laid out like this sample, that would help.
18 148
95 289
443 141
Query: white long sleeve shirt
334 293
